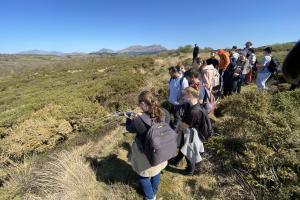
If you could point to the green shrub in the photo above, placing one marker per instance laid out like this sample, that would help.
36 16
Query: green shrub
258 136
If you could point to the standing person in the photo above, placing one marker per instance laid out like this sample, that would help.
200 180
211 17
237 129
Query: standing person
192 75
224 60
223 64
215 62
149 176
177 84
207 76
195 52
242 68
234 55
263 73
248 46
252 61
212 60
228 81
193 118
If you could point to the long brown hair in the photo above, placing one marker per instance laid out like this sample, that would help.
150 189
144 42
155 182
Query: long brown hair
154 111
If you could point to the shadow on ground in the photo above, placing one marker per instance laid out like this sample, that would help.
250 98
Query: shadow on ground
112 170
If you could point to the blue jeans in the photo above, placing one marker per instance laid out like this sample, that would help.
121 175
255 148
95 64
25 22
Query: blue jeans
149 185
261 80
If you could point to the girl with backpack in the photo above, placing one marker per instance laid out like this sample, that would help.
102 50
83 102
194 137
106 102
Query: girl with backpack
149 176
190 144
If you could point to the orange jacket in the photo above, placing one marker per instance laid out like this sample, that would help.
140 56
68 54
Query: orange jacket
224 59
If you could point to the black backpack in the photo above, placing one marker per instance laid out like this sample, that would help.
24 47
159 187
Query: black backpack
161 141
204 129
273 65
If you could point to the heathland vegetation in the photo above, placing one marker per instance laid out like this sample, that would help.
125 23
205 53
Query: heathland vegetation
56 143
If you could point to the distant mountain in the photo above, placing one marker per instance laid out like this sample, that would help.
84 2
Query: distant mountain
103 50
132 50
41 52
49 53
74 54
139 49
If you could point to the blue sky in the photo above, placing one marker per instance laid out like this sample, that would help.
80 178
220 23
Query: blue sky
89 25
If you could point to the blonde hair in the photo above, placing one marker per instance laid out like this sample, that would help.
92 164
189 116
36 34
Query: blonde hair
192 91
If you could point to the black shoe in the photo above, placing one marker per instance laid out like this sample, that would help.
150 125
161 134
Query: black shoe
190 171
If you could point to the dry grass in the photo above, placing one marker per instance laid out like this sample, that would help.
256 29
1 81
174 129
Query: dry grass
100 170
21 176
69 175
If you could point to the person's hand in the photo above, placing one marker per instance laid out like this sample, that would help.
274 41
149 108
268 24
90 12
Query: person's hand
138 114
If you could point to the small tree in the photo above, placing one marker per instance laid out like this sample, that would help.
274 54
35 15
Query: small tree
185 49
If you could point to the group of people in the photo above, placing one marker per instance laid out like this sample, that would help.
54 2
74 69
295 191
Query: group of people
191 100
188 127
237 67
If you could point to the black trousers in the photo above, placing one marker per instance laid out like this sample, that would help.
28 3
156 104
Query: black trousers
177 112
180 156
228 88
195 55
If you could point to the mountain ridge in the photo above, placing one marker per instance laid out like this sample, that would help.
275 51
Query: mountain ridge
134 49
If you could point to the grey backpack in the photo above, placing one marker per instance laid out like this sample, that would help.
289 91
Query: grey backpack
160 142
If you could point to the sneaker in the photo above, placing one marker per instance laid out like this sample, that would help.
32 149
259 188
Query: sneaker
154 198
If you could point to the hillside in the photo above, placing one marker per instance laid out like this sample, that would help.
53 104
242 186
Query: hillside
139 49
60 141
131 50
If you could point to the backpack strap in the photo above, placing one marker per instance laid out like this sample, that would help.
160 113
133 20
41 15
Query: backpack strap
206 95
181 81
146 119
